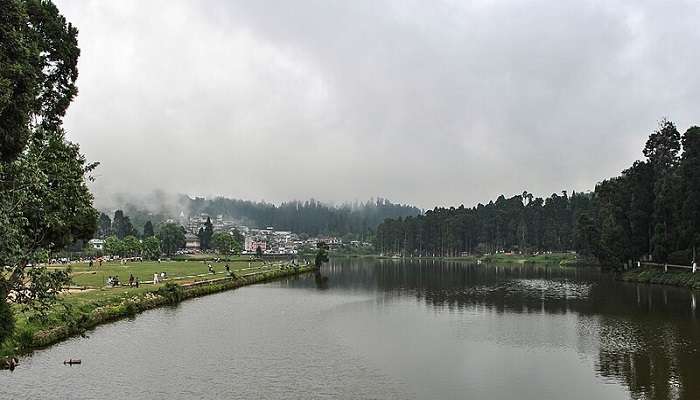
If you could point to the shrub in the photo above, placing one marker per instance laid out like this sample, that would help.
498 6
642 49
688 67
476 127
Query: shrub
172 292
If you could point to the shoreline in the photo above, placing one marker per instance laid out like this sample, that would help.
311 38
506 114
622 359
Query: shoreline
659 277
563 259
169 294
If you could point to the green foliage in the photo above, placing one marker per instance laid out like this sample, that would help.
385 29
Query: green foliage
651 210
151 248
104 226
148 229
172 292
121 225
7 320
131 246
321 254
19 78
172 238
522 222
205 234
225 243
114 246
311 217
45 204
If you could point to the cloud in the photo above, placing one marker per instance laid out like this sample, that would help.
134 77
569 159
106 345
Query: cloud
440 102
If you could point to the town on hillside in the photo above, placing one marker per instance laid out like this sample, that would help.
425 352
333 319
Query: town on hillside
267 240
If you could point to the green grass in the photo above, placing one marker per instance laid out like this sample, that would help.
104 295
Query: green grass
658 276
96 277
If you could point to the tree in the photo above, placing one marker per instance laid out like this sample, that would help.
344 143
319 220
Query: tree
148 229
151 248
114 246
44 201
205 234
132 246
662 151
321 254
225 243
121 225
690 172
104 226
238 237
172 238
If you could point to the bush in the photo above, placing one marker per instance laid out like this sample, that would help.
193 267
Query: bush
130 308
24 339
172 292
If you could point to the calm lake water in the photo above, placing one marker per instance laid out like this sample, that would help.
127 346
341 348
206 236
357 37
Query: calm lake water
391 330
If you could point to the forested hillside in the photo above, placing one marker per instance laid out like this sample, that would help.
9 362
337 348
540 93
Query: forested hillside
651 211
311 217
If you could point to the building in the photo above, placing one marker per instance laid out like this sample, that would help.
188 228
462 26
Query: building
191 241
252 244
97 244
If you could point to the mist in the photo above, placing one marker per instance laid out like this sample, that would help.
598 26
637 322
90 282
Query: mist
429 103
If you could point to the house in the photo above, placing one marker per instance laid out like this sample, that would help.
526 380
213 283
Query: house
192 241
252 244
97 244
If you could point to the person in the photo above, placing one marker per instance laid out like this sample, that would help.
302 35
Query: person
91 263
137 282
109 280
211 269
100 262
228 269
115 281
155 278
131 280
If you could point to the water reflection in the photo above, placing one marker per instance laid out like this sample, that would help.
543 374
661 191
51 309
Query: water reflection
392 329
647 336
320 280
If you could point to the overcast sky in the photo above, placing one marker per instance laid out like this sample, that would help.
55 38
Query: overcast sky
424 102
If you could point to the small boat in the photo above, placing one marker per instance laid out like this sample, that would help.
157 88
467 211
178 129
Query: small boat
72 361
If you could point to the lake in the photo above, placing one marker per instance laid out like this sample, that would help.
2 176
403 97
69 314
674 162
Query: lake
385 329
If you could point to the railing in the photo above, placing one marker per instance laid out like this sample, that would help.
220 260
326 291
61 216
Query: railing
666 266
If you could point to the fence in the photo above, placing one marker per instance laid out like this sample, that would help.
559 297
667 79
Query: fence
666 266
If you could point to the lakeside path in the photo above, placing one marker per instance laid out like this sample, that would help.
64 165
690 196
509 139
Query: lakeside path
91 302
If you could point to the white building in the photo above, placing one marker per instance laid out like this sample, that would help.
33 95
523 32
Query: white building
97 244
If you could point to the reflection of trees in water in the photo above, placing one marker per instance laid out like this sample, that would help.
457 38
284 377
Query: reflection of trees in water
649 336
655 350
320 280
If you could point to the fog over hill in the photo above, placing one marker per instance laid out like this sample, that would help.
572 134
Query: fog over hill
308 216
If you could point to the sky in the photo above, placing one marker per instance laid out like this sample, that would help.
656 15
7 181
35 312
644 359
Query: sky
432 103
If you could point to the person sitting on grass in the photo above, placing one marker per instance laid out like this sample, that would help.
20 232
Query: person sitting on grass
211 269
131 280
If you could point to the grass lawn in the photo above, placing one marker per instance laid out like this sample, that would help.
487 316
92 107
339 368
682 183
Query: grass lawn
181 271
